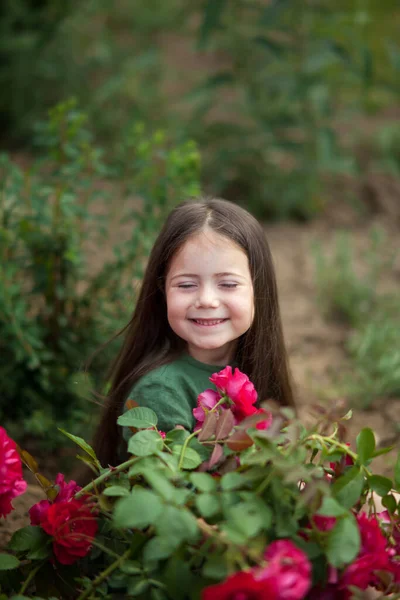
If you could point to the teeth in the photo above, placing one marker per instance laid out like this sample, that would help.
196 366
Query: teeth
208 322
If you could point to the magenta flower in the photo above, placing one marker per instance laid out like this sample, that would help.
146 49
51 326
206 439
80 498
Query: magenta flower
289 568
373 556
268 419
237 386
205 402
38 511
11 482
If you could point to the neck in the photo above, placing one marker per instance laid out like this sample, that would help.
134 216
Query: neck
217 356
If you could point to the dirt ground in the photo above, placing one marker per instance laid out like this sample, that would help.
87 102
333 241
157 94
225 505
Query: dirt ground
316 347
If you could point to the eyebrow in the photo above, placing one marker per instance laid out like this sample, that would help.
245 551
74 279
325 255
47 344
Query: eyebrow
225 274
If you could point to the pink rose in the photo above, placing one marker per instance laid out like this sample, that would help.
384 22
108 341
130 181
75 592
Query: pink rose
268 419
372 538
38 511
11 482
289 568
205 402
239 389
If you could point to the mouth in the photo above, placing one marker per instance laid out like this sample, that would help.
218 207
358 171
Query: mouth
207 322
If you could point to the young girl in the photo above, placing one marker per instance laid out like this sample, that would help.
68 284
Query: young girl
208 299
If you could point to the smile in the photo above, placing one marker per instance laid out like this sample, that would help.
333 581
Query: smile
208 322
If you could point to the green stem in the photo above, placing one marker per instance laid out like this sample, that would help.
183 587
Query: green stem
100 578
323 439
185 445
107 474
29 578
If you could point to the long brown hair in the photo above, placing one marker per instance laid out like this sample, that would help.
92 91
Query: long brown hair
149 340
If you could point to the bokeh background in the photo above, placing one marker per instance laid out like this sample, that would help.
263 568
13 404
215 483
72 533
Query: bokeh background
112 112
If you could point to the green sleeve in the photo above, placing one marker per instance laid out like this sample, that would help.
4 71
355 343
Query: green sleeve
170 406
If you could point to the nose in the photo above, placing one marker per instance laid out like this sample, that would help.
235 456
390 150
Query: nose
207 298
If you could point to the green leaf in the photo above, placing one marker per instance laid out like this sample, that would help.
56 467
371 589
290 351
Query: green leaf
203 482
382 451
365 445
380 485
231 481
343 542
116 490
390 503
27 538
157 548
141 509
82 444
177 525
331 508
215 568
250 517
139 417
177 436
8 562
208 504
160 484
348 488
191 459
145 442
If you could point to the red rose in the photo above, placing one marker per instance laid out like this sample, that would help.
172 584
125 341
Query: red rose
239 389
66 491
373 556
11 482
288 568
323 523
268 419
241 586
72 525
339 467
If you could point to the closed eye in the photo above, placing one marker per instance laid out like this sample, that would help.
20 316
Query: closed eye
186 286
229 285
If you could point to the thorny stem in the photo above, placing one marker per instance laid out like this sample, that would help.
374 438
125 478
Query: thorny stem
29 578
102 576
107 474
322 439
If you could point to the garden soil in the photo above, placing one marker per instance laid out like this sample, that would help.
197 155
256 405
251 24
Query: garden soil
316 346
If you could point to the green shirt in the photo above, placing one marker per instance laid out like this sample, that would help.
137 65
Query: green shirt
171 391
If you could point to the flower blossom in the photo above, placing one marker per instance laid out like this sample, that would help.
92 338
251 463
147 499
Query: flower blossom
239 389
289 568
373 556
71 522
11 482
72 525
241 586
66 491
206 401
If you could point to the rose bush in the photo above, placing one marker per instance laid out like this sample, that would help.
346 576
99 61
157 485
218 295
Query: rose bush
249 506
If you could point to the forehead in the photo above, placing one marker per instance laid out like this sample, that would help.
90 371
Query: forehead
209 251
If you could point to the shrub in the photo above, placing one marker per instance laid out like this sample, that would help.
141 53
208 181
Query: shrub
354 298
56 307
257 505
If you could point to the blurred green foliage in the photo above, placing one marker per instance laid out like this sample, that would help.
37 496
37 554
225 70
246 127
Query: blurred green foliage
269 90
56 306
352 294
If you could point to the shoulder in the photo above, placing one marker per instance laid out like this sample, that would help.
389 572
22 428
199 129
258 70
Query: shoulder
164 377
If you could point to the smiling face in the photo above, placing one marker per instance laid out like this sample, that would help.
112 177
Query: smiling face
209 293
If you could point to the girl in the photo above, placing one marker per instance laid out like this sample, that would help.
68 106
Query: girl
208 299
